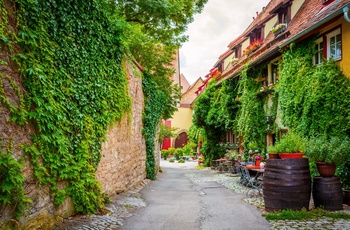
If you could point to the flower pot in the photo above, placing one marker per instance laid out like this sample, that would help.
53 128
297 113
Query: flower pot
273 156
291 155
257 162
325 169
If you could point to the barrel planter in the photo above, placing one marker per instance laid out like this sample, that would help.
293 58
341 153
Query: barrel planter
346 199
287 184
327 193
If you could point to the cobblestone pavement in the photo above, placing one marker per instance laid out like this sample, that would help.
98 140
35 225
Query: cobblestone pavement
123 205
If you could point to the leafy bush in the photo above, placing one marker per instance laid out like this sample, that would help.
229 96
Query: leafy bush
291 142
178 153
165 153
187 150
171 151
181 160
328 149
172 160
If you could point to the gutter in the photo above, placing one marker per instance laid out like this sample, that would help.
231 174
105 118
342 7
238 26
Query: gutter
346 16
340 11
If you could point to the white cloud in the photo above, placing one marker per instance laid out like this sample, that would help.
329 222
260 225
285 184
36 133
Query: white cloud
211 32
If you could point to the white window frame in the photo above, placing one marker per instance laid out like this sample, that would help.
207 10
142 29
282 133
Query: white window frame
319 55
329 36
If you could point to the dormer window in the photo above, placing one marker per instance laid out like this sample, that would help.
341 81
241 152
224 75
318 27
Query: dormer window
283 10
256 34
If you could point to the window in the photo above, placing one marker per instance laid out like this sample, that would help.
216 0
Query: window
274 73
334 44
319 48
232 138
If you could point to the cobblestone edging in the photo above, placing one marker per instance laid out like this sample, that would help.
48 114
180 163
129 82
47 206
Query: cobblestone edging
231 182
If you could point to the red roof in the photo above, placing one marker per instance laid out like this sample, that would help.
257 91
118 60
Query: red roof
311 13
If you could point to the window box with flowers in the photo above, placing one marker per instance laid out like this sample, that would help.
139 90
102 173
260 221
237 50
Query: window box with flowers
233 61
278 29
265 90
253 47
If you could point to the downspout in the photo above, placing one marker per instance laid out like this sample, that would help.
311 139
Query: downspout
346 16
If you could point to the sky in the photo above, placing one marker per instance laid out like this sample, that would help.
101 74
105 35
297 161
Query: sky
220 22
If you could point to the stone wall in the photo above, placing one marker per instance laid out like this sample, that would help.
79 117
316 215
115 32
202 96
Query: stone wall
123 162
122 165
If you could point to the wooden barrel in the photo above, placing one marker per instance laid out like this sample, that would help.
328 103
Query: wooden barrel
327 193
346 195
287 184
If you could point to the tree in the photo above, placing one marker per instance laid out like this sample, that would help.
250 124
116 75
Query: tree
165 21
155 31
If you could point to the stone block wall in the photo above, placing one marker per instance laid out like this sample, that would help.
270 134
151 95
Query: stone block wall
123 162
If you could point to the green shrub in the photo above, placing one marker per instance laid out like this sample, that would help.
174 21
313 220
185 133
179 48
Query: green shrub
187 150
172 160
171 151
164 153
181 160
178 153
290 143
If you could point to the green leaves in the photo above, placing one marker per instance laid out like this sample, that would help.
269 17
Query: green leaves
154 108
310 95
75 88
11 180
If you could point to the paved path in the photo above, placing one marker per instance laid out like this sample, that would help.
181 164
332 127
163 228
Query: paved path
184 198
174 201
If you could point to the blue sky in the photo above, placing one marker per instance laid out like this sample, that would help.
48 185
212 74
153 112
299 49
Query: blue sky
220 22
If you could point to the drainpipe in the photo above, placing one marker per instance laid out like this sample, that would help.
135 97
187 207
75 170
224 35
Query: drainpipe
346 16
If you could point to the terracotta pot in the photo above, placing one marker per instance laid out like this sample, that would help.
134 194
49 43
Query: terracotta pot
325 169
274 156
291 155
257 162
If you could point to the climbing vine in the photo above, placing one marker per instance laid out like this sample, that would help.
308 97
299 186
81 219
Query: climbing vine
11 180
251 117
154 109
313 99
71 58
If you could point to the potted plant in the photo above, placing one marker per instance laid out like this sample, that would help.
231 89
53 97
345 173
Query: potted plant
257 158
327 153
279 28
272 152
291 145
253 46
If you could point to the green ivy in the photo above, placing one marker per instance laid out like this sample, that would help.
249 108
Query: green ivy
251 117
11 181
154 108
208 106
71 59
313 99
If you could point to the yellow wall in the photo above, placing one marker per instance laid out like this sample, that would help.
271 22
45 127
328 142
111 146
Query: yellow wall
345 27
245 44
228 59
345 63
296 6
182 119
268 26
